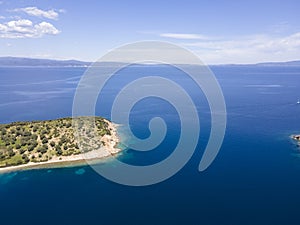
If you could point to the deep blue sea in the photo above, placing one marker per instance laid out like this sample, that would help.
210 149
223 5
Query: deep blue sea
255 179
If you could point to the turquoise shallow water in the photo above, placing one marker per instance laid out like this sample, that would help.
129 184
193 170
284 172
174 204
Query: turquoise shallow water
254 179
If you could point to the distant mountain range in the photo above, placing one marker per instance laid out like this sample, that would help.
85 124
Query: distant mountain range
31 62
266 64
290 63
16 61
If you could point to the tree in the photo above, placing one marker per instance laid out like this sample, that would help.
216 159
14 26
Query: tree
43 132
58 150
42 149
25 158
2 156
27 133
19 133
11 153
34 143
23 142
34 136
45 140
7 142
3 131
22 150
30 148
63 139
42 136
35 128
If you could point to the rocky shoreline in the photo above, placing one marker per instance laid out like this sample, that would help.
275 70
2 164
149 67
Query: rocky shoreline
296 137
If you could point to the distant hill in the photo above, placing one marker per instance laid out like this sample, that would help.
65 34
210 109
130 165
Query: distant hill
16 61
30 62
265 64
290 63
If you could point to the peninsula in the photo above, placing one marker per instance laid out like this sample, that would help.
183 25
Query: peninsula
53 143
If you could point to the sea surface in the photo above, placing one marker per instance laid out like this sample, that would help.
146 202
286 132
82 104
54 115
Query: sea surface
255 179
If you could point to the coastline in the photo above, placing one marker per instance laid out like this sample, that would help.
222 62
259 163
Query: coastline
109 150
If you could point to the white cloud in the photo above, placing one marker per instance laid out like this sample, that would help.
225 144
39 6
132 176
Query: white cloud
248 49
45 28
183 36
3 28
34 11
62 10
26 29
19 23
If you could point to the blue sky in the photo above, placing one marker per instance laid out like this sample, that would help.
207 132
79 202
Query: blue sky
217 31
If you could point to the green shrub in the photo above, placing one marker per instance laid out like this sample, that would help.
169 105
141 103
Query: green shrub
42 149
25 158
58 150
11 153
52 143
27 133
22 150
45 140
30 148
43 132
35 128
3 131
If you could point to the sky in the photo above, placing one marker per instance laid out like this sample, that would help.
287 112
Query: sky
218 31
